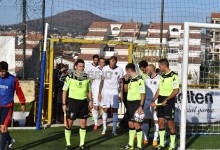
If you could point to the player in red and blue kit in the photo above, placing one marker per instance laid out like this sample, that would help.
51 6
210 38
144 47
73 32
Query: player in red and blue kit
8 86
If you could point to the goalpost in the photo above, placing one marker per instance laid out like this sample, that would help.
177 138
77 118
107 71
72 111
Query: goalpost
187 26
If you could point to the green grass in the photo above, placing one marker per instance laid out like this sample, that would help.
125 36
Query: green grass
53 139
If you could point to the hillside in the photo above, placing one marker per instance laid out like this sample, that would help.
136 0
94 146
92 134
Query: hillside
73 21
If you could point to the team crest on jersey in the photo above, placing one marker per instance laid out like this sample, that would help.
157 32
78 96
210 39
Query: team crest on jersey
116 73
155 82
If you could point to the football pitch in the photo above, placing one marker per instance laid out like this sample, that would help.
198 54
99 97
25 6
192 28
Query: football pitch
53 139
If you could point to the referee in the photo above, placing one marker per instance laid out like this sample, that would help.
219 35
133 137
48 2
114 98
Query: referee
76 88
166 93
135 97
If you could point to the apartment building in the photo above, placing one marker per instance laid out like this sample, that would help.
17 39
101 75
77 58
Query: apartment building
214 48
172 48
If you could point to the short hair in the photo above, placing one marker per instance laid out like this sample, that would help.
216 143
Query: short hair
95 56
113 57
3 65
102 58
79 61
143 64
130 66
164 61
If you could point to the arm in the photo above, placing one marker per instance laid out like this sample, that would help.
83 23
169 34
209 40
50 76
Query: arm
121 89
100 89
172 95
153 104
20 94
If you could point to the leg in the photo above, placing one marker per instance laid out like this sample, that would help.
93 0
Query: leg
68 131
156 130
139 134
145 129
115 120
115 106
6 115
161 123
95 113
132 133
104 120
82 131
171 126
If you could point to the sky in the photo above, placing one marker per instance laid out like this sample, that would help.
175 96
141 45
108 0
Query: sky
144 11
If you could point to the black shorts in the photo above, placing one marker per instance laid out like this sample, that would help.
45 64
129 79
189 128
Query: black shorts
132 106
6 115
77 109
167 111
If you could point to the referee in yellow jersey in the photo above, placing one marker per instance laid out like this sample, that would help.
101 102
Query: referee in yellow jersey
166 93
76 89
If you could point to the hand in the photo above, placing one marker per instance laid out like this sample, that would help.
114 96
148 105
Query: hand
164 103
23 108
100 97
140 110
90 104
153 104
121 98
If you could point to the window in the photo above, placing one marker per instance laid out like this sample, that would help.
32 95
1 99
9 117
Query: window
175 30
115 28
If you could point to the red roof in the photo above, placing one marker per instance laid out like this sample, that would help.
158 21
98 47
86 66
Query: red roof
28 46
125 25
128 34
165 25
96 34
34 37
215 15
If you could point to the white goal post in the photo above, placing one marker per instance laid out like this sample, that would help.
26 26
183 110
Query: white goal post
187 26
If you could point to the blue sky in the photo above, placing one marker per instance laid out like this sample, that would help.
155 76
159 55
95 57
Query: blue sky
120 10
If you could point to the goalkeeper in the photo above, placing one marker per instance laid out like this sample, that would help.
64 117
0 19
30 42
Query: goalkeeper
135 97
166 93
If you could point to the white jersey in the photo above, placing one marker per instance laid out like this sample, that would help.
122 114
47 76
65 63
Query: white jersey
89 68
152 84
96 78
112 79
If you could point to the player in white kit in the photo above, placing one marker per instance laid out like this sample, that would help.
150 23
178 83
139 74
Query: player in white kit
152 84
96 78
90 67
109 91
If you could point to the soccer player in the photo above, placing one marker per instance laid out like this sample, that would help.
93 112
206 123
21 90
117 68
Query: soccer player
96 76
8 86
166 93
94 64
135 97
76 106
109 92
152 84
142 65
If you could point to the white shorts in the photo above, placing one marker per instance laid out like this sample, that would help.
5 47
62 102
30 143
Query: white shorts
95 95
110 100
147 110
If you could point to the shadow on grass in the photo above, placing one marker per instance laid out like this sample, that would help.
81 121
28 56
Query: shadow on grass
191 140
103 138
53 137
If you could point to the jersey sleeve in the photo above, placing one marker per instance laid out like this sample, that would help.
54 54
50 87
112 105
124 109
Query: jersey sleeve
175 82
121 74
66 84
89 85
141 86
19 92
